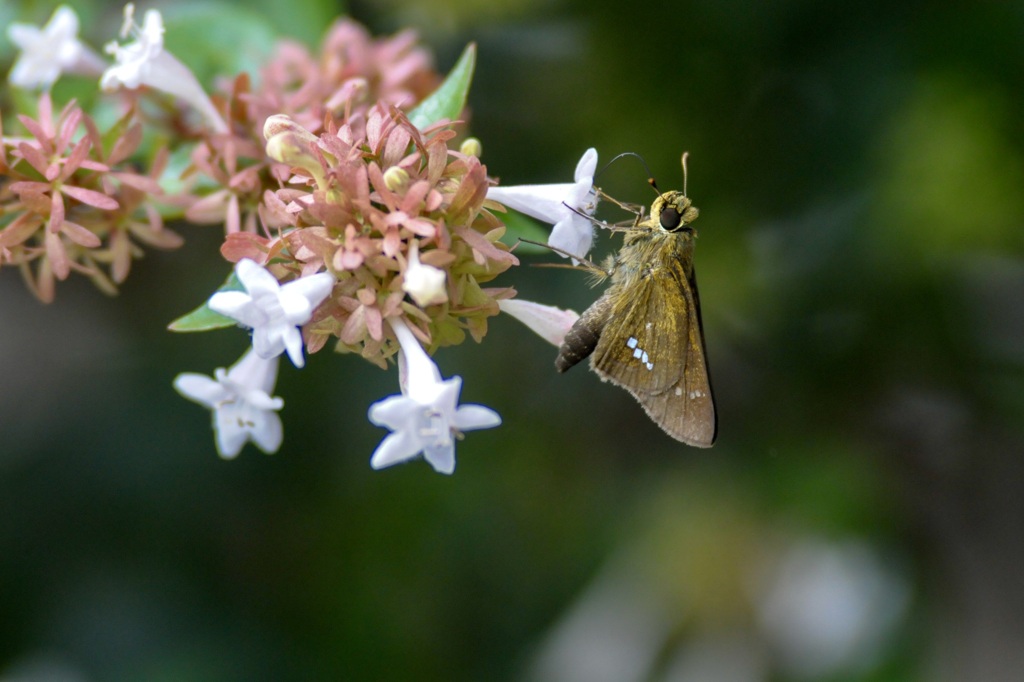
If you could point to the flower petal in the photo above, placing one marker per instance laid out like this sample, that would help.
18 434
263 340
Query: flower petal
80 235
268 342
397 447
292 339
443 396
441 457
393 412
297 308
573 235
63 23
91 197
587 165
239 306
268 433
231 434
200 388
255 278
314 288
473 417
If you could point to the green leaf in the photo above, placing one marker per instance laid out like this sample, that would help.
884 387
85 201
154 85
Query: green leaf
518 226
450 98
202 319
115 131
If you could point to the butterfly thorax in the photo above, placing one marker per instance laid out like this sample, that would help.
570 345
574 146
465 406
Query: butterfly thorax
664 239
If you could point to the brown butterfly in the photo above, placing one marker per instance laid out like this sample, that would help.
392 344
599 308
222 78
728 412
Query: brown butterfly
645 332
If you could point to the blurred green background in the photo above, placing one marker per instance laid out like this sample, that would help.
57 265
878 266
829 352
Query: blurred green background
859 173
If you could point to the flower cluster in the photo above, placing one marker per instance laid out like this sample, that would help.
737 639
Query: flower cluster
70 200
352 73
394 221
353 214
390 211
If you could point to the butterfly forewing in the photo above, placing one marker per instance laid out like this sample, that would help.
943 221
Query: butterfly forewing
654 348
687 409
643 345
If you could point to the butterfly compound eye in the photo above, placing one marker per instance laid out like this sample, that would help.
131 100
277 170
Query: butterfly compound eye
670 218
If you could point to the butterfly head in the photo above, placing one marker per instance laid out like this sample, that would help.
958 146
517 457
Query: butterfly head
673 212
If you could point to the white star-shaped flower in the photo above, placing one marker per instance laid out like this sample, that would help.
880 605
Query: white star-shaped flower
568 206
243 409
426 418
274 312
135 61
49 51
146 62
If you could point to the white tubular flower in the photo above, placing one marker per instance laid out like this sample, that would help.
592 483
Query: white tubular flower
424 283
274 312
48 52
145 62
243 409
567 206
426 418
549 322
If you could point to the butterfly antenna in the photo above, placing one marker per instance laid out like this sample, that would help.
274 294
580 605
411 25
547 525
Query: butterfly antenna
650 176
685 154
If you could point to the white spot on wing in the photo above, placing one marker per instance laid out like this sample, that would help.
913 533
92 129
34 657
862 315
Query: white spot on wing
640 353
679 390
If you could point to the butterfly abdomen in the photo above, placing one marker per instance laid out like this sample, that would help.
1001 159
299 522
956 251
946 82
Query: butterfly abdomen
581 340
